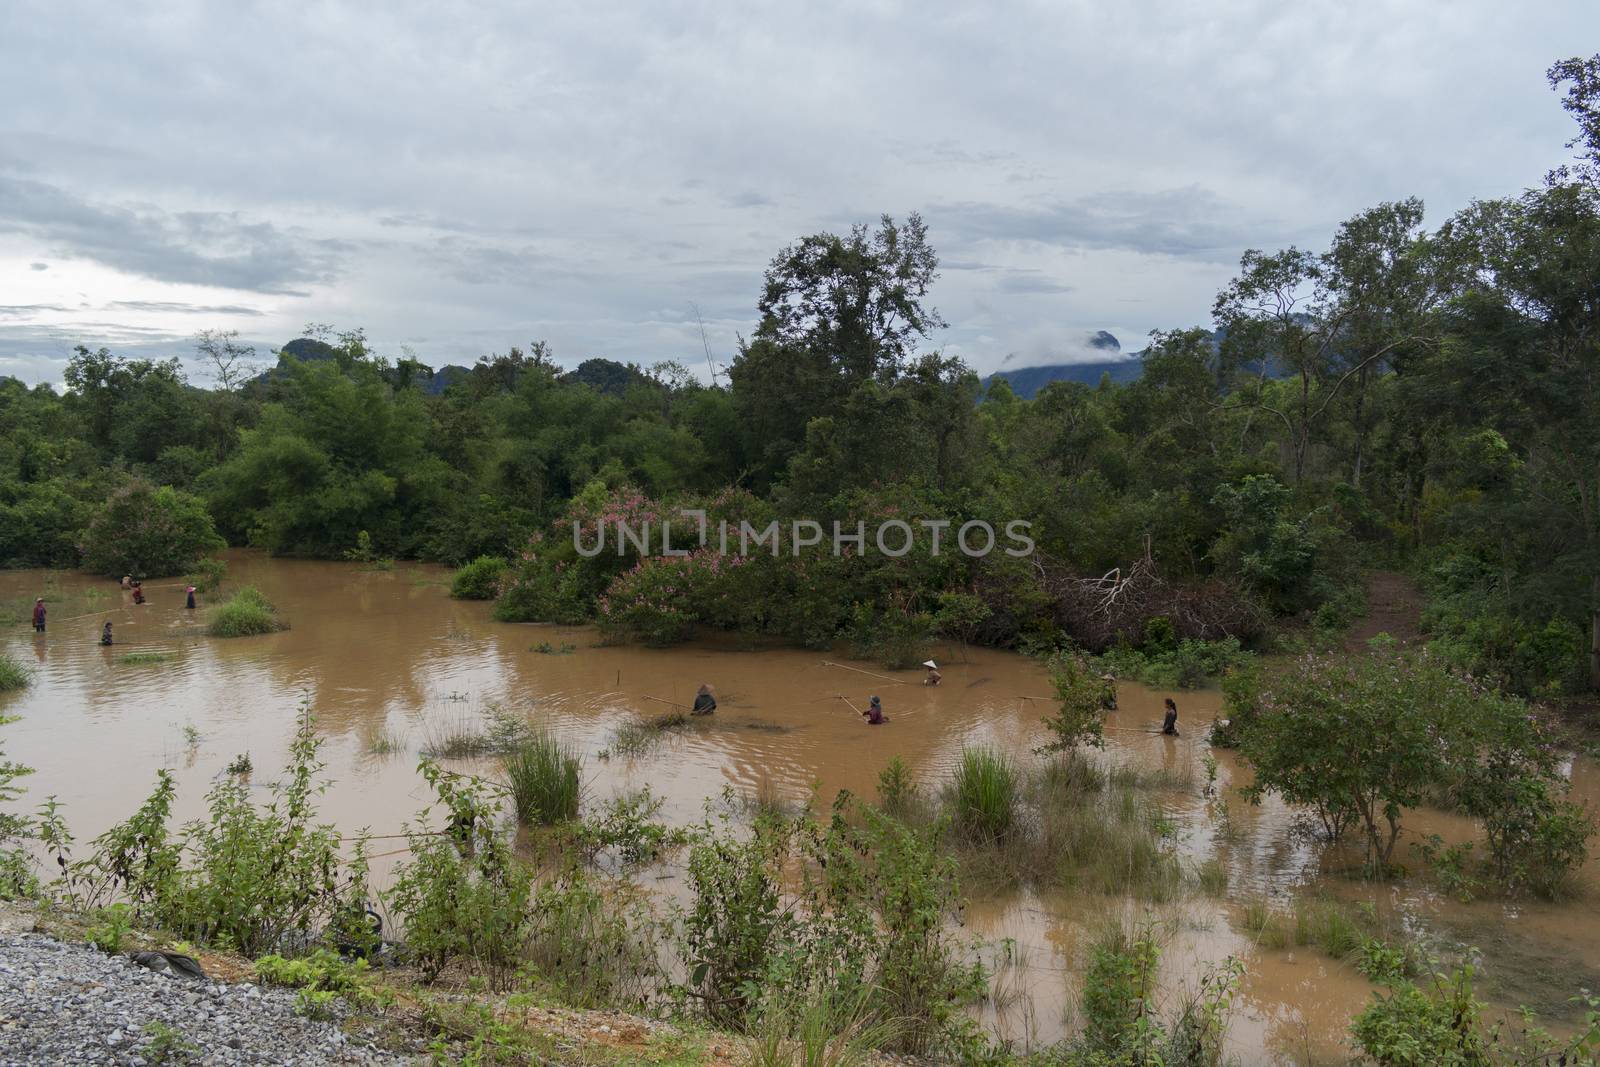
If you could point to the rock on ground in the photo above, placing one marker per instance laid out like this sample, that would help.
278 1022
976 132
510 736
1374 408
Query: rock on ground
71 1004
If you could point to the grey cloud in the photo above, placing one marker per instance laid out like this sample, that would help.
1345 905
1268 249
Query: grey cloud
1031 282
178 308
214 248
38 266
28 311
1190 222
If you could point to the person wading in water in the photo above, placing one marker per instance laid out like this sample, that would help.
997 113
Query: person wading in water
705 701
38 616
874 713
933 677
190 604
1169 725
105 635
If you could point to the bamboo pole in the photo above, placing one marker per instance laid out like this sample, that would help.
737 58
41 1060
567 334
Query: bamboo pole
869 674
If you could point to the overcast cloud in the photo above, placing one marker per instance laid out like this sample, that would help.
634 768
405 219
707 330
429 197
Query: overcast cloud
461 177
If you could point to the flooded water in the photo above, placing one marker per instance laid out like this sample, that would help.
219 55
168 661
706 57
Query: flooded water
387 654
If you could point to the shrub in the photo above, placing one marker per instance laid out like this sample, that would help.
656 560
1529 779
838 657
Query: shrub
543 778
1122 1021
243 877
13 674
149 532
461 893
1080 717
983 795
478 580
594 945
245 614
16 877
1361 738
897 789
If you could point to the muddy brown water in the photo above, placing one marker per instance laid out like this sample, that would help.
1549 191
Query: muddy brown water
388 653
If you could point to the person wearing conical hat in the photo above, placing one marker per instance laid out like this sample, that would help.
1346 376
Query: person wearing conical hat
933 677
190 603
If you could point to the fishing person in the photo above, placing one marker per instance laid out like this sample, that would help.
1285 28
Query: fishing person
38 616
933 677
190 602
138 592
1169 725
705 701
874 713
1108 692
105 634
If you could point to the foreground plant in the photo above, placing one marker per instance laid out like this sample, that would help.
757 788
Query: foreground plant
245 877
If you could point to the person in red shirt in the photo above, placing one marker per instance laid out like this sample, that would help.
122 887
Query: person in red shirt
38 616
874 713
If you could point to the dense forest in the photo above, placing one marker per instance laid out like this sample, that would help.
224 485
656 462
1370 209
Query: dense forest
1411 397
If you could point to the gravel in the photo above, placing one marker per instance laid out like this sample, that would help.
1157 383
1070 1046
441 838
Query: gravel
71 1004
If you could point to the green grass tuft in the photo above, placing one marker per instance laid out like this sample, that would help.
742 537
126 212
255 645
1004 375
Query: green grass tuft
13 675
245 614
134 659
543 778
984 795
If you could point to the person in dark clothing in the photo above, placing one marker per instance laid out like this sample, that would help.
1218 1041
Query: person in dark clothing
138 593
105 635
190 603
705 702
874 713
1169 725
38 616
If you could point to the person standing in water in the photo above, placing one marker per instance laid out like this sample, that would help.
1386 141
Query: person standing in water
933 677
1169 725
138 592
190 603
874 713
105 634
38 616
705 701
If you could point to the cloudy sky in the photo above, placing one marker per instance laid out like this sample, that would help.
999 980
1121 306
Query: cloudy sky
461 177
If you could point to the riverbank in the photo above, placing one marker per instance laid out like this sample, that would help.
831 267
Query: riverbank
65 1001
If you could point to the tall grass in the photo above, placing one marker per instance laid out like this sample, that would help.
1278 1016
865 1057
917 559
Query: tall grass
245 614
821 1031
543 778
13 675
984 795
1067 824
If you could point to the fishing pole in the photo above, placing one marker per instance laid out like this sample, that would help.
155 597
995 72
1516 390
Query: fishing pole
869 674
669 703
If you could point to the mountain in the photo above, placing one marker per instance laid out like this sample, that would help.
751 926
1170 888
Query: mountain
1027 381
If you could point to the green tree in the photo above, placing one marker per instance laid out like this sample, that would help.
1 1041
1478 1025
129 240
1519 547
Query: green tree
148 531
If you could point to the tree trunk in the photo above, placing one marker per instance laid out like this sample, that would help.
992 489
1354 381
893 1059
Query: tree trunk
1594 633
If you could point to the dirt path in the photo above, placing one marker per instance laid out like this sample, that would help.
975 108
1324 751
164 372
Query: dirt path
1394 607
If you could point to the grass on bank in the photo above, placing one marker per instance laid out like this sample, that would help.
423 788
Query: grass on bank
13 675
245 614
